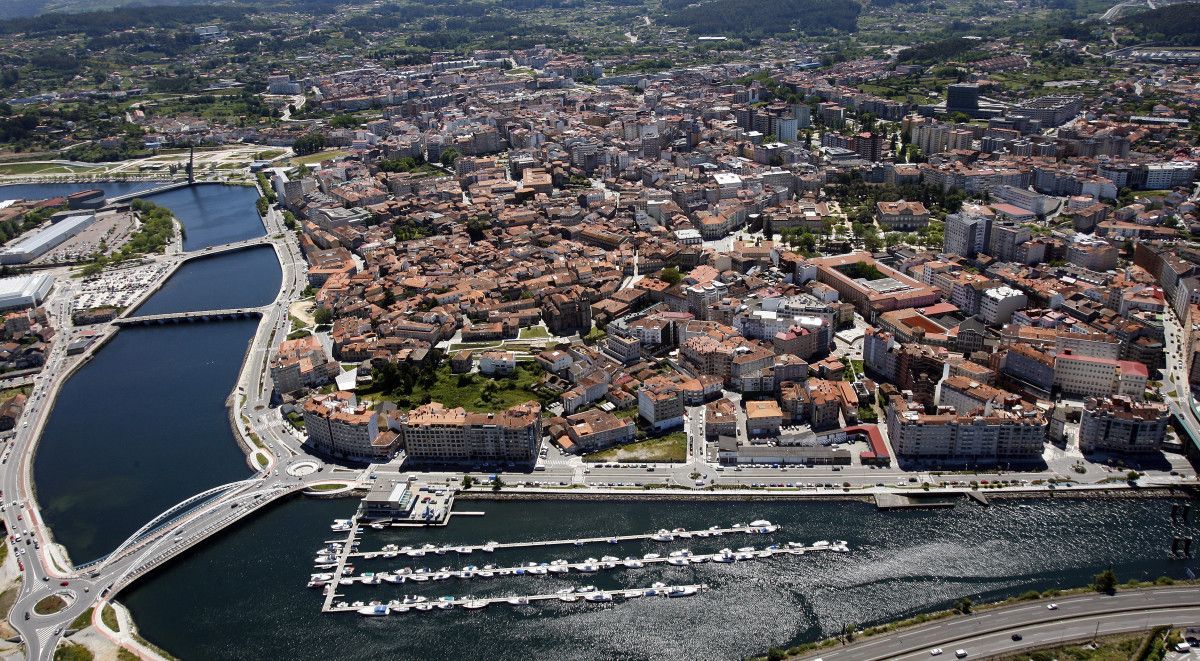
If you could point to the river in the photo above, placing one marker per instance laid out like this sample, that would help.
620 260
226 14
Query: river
242 596
144 424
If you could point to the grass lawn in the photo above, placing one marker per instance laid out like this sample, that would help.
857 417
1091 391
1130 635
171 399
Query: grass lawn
313 159
24 390
534 332
1108 648
326 487
109 617
83 620
470 391
72 652
627 414
48 605
669 448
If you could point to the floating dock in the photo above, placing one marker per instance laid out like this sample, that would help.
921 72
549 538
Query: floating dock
377 608
660 536
591 565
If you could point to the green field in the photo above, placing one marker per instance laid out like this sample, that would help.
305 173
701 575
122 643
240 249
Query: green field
313 159
669 448
470 391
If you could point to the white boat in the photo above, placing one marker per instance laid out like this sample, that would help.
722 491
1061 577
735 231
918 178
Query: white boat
724 555
631 594
442 575
416 553
651 556
654 589
663 535
822 544
424 607
378 526
569 598
683 591
633 563
346 581
612 540
489 547
557 569
565 591
485 573
373 611
475 604
598 597
760 523
609 558
419 577
586 588
415 599
518 601
681 553
401 609
445 605
588 568
465 550
698 559
539 571
357 604
342 604
678 561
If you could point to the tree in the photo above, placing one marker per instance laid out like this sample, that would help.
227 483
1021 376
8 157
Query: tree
1105 582
323 316
309 143
964 605
468 482
449 157
497 483
670 275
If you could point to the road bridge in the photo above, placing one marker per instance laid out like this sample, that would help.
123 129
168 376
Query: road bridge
226 248
200 316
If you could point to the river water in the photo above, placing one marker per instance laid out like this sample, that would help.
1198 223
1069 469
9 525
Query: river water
243 596
144 425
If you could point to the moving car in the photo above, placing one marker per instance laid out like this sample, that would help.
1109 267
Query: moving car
960 654
937 651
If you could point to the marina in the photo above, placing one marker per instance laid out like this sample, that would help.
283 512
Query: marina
680 558
587 594
335 557
754 528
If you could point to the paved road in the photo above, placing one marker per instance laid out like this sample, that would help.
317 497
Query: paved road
990 631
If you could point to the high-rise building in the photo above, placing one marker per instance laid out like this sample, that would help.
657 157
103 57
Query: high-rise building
965 234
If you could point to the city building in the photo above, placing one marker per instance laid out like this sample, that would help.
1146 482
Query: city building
338 424
30 247
1120 424
24 291
434 434
1001 436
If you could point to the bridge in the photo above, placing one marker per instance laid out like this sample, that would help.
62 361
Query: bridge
200 316
225 248
146 193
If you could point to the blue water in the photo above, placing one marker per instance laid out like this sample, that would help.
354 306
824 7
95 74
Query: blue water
144 424
213 214
43 191
242 596
141 427
248 278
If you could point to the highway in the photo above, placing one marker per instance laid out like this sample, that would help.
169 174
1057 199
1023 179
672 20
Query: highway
990 631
